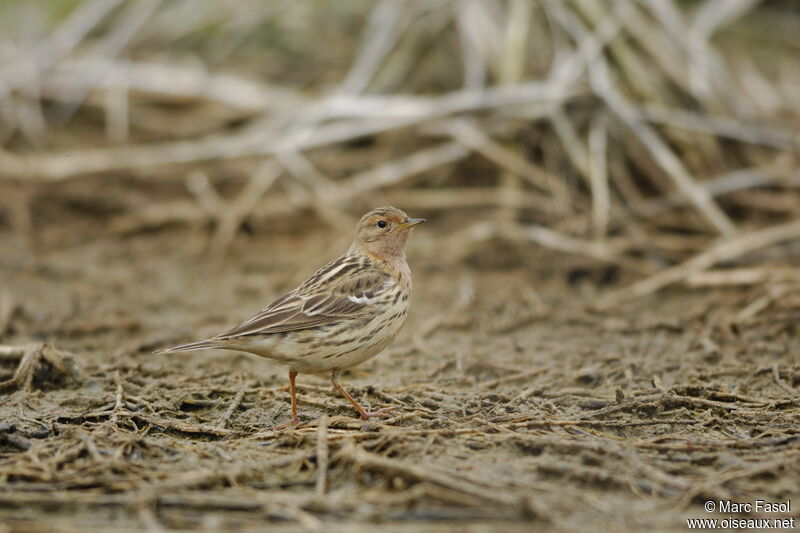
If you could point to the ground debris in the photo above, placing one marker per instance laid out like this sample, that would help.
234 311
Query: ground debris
493 427
38 364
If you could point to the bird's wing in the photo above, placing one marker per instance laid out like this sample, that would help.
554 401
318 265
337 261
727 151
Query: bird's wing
326 297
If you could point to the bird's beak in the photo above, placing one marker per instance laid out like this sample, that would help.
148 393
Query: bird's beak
409 222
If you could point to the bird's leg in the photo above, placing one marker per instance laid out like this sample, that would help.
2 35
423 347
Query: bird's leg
293 391
366 415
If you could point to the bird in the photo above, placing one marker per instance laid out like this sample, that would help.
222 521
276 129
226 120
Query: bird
345 313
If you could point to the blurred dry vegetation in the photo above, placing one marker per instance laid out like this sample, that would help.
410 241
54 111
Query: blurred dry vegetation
628 147
640 134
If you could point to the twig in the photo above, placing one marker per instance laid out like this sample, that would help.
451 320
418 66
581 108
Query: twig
182 427
116 105
145 503
235 403
705 68
774 292
307 173
598 177
13 352
200 186
61 43
514 56
31 358
730 182
235 213
387 22
741 276
720 126
316 186
599 423
572 145
267 139
650 139
119 402
659 150
172 81
383 175
601 250
610 251
192 479
393 172
129 22
91 447
748 471
654 38
513 377
467 132
363 459
726 250
474 56
447 198
322 456
776 375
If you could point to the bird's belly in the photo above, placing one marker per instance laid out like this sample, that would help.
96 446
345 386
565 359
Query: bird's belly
336 346
350 354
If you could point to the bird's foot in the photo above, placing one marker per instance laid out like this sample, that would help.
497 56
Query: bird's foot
291 423
386 412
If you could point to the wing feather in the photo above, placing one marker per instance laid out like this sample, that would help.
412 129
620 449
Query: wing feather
334 293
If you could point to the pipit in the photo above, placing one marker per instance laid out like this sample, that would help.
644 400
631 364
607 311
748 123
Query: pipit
344 314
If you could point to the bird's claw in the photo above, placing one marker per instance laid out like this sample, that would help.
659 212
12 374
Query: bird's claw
290 424
386 412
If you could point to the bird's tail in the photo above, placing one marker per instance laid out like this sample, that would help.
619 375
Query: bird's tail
199 345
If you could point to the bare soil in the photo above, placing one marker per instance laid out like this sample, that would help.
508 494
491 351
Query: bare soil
518 402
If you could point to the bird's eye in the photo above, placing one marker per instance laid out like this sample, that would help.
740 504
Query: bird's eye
381 224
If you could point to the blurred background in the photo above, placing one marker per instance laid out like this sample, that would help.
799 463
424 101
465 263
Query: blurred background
636 134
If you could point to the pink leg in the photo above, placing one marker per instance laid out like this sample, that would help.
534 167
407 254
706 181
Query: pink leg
293 391
366 415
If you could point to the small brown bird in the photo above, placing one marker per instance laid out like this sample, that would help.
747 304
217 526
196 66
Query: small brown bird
345 313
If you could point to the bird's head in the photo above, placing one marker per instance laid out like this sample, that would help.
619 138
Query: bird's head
382 233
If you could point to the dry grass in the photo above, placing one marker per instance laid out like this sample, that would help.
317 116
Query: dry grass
621 127
640 417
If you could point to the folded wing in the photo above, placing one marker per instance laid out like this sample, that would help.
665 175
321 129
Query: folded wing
328 301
